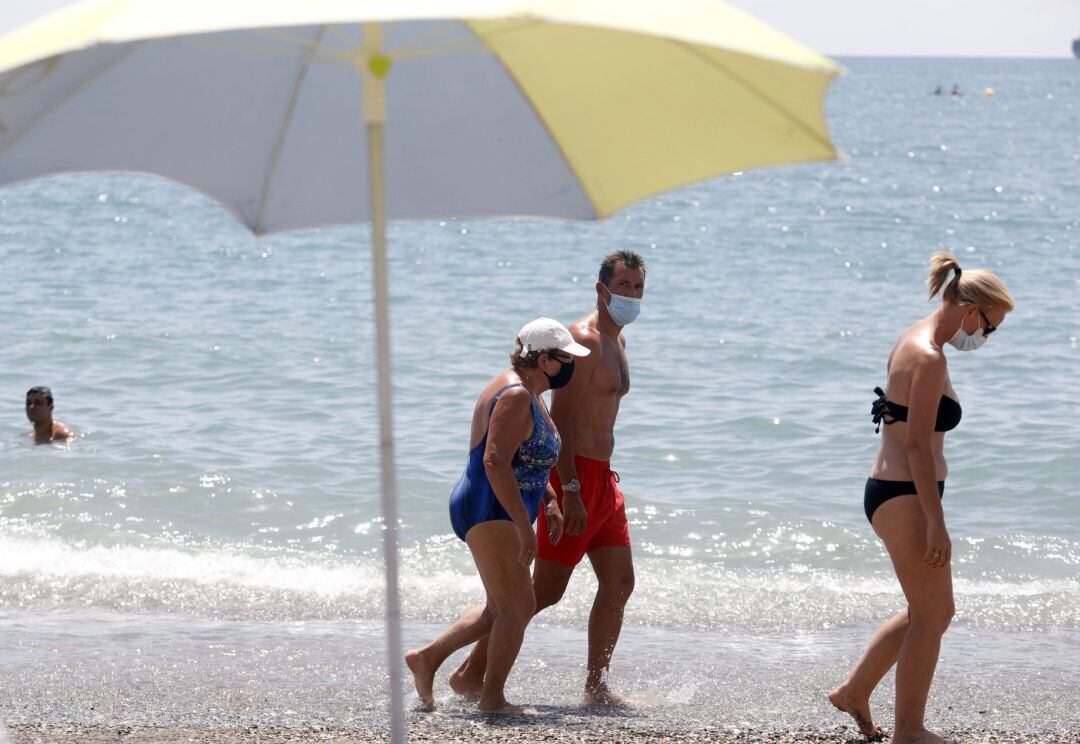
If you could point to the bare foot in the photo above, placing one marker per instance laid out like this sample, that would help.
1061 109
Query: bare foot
919 737
502 708
602 696
857 708
423 677
465 685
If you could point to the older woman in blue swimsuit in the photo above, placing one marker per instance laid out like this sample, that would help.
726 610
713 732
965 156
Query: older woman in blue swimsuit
904 493
513 447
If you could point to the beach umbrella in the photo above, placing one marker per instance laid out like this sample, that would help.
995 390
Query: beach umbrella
295 115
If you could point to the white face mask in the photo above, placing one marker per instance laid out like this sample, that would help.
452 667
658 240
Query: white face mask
965 341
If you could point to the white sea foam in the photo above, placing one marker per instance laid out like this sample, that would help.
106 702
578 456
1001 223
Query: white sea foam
52 560
239 581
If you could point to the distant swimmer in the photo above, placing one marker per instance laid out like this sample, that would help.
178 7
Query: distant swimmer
39 409
939 91
956 91
903 496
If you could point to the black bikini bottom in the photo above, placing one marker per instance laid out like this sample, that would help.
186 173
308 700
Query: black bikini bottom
879 491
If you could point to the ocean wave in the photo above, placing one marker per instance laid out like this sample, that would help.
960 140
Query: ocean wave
246 582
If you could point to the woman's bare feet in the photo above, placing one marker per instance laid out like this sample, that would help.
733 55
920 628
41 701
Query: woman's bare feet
859 709
601 695
423 677
465 685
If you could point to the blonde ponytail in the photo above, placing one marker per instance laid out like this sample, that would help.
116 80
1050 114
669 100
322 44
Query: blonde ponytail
941 264
979 286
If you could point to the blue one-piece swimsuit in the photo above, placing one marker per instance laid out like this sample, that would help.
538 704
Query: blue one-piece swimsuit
474 501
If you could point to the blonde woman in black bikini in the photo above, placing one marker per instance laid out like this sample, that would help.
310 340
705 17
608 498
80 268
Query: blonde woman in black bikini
904 493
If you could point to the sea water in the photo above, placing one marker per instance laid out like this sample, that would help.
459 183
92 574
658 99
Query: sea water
209 548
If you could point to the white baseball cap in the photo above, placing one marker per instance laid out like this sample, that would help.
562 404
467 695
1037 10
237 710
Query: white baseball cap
545 333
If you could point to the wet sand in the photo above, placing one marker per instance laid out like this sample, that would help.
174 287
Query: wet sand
135 679
597 732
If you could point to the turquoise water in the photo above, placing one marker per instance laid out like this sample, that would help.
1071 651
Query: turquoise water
224 387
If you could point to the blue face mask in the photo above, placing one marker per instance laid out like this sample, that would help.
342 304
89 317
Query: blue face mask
623 310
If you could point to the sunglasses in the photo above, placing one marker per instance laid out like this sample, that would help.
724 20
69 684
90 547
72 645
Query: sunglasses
990 327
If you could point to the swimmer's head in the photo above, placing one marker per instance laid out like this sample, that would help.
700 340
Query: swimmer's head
39 403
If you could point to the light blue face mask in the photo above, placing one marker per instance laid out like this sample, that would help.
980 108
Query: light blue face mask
623 310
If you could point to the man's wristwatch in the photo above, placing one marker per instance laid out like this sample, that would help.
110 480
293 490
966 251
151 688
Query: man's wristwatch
572 487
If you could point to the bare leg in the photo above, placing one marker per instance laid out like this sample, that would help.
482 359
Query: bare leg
424 662
901 524
614 569
468 678
549 583
495 546
853 696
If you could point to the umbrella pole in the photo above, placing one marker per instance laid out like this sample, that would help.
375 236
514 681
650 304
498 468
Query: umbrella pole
386 430
375 118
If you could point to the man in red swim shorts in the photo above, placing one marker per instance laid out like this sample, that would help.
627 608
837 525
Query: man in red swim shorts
593 508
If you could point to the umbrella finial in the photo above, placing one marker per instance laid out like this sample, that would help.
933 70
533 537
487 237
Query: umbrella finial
376 65
379 64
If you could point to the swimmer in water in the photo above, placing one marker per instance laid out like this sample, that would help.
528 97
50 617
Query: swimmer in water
39 409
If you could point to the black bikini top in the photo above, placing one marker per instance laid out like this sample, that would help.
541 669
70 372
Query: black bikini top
886 412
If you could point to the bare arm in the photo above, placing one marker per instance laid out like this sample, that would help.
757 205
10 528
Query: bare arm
554 515
511 424
927 387
565 402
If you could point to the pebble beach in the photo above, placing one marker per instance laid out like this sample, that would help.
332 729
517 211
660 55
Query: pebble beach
545 729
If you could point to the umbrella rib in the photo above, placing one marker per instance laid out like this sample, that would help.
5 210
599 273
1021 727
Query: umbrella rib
522 24
411 49
71 94
279 145
419 46
302 42
459 47
337 56
769 101
348 42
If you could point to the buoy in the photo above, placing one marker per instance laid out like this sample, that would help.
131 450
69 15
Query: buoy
989 92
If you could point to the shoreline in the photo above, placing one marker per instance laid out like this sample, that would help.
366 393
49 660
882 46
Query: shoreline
604 731
105 677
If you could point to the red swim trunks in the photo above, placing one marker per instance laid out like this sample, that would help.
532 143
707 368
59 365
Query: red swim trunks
605 507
